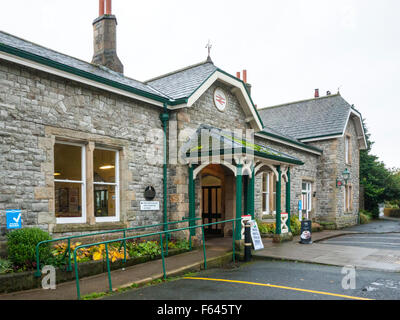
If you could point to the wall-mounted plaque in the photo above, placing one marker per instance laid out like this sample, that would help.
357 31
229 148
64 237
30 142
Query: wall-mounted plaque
149 205
149 193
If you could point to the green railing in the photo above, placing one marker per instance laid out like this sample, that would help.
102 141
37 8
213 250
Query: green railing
161 233
124 231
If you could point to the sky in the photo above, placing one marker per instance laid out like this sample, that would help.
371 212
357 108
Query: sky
288 47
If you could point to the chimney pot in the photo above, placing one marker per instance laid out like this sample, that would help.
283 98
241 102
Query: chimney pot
316 95
108 7
101 8
245 76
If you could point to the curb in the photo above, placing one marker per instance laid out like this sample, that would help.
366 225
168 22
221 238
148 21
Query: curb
353 233
198 266
269 258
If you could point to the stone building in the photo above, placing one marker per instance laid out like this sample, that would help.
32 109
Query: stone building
82 144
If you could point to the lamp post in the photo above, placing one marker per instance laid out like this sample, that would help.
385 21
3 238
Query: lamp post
345 178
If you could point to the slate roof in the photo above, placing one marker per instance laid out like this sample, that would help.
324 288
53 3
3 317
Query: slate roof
312 118
101 71
224 142
182 83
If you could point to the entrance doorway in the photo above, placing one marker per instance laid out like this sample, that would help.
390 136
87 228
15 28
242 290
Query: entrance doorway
212 209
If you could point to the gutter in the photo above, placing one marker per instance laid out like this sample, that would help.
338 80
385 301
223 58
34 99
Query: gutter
289 142
78 72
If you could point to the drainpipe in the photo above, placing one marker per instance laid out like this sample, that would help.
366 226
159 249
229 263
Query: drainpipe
164 117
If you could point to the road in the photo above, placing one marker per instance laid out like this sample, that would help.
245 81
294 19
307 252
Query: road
375 241
272 280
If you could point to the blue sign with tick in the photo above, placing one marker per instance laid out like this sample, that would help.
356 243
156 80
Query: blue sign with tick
14 219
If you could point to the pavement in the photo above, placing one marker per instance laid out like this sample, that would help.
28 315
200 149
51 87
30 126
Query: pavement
323 250
344 247
216 249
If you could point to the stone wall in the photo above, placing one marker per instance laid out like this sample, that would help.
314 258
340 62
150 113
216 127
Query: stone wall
37 108
187 122
331 166
344 218
307 172
322 171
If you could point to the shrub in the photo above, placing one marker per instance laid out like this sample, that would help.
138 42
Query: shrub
266 228
295 225
316 227
364 219
22 247
145 248
5 266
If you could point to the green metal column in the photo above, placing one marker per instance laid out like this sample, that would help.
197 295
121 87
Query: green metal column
288 198
278 201
192 207
252 193
239 201
164 117
246 185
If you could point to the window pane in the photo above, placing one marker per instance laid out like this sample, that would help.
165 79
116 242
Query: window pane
104 166
213 200
264 202
205 200
68 200
104 201
265 182
67 162
273 207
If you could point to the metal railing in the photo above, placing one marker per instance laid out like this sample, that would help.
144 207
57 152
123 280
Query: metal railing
161 233
124 231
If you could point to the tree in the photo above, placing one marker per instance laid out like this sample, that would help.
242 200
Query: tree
379 183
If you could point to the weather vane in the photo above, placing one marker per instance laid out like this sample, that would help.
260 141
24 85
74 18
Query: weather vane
209 46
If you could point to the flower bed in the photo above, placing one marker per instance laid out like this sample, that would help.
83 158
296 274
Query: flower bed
91 261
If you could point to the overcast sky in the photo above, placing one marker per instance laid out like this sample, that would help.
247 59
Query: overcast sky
289 47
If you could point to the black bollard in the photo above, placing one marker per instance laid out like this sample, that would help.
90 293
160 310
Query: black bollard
247 243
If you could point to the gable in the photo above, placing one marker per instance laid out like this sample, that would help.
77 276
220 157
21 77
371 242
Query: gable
204 110
313 119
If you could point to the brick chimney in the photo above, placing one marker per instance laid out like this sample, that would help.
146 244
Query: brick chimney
248 85
316 95
105 38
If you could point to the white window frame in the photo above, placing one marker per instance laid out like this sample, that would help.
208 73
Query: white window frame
307 192
266 194
348 195
347 143
116 184
82 219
